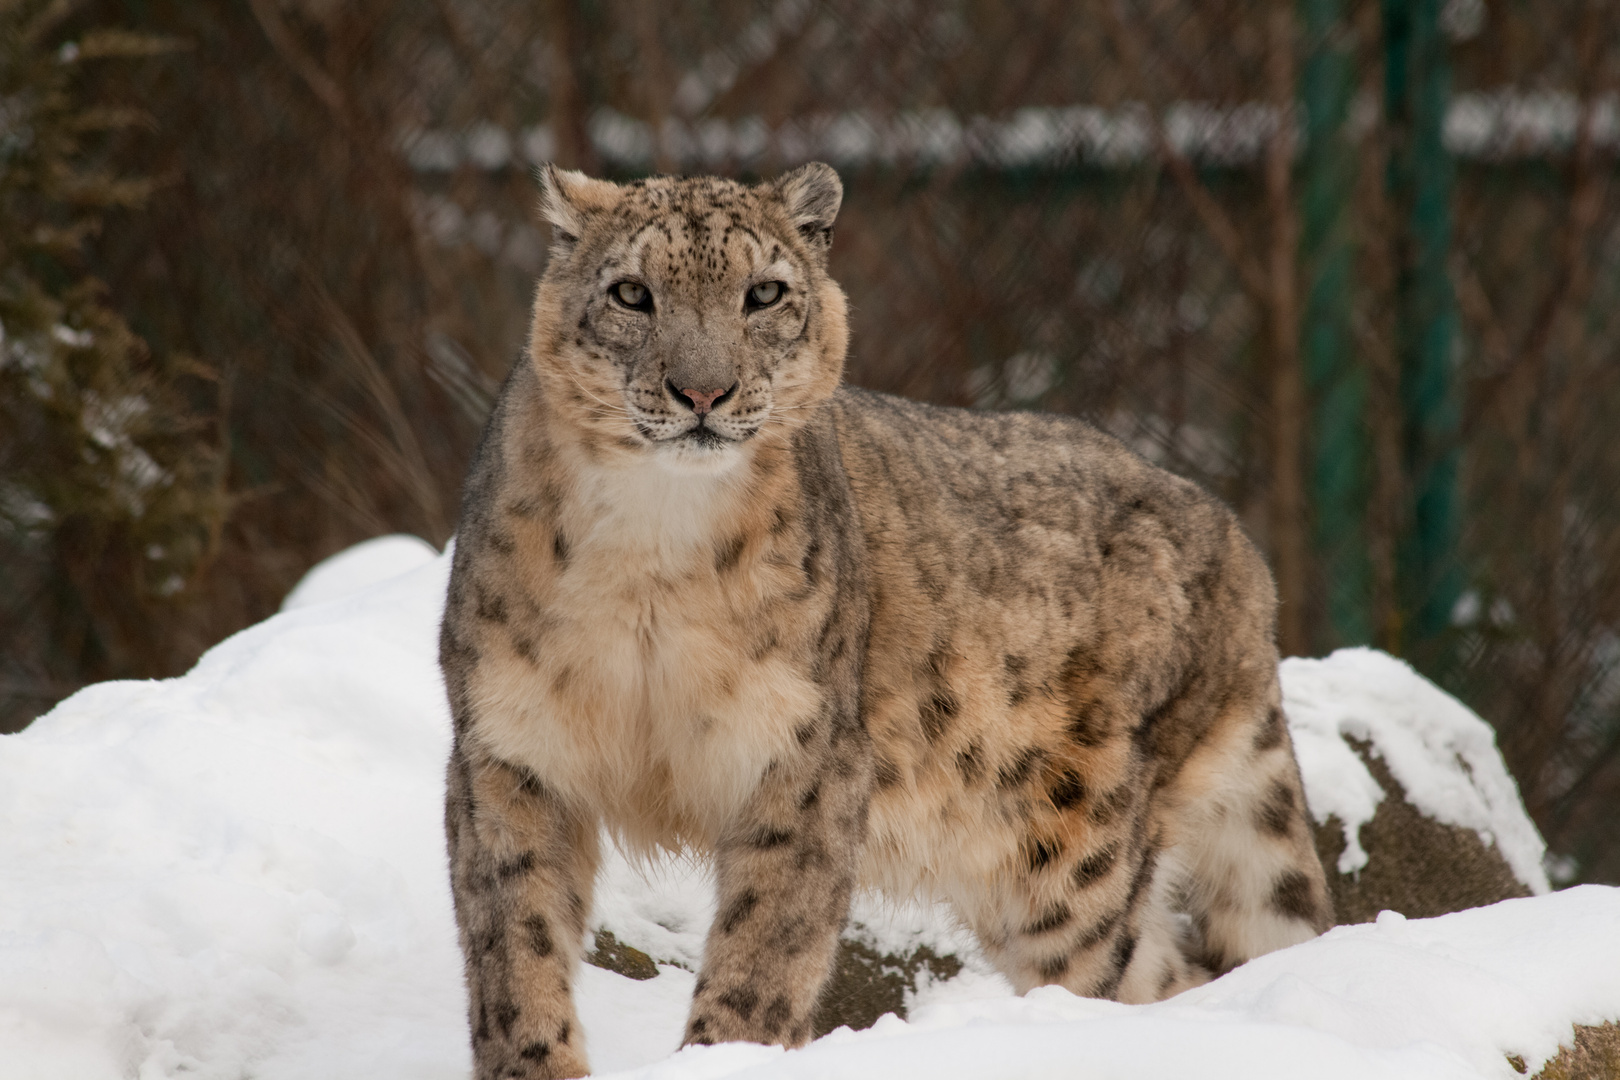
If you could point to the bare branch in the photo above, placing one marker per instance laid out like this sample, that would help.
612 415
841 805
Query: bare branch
288 47
1210 213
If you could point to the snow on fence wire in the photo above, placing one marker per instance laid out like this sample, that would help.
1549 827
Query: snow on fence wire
1498 125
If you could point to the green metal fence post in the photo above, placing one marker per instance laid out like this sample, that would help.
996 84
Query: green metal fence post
1337 382
1417 84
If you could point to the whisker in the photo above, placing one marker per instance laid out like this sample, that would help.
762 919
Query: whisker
619 408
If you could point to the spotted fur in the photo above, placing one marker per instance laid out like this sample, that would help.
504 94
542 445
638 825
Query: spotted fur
830 638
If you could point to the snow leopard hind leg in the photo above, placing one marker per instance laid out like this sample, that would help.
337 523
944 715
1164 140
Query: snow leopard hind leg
1238 873
1197 859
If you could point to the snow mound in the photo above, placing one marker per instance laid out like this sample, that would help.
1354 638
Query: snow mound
1440 752
242 872
360 567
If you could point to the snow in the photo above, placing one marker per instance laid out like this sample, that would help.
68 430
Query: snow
241 872
1505 124
361 566
1439 751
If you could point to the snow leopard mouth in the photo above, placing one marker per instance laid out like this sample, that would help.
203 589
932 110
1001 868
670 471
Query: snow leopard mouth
705 437
700 436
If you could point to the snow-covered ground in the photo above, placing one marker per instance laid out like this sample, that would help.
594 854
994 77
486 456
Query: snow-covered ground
241 873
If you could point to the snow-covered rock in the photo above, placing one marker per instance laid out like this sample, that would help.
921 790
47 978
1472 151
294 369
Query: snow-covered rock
1415 809
240 872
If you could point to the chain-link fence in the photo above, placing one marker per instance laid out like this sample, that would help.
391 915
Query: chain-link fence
1351 265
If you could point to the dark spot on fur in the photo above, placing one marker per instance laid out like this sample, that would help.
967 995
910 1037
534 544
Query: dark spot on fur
1053 968
1277 813
729 555
564 1032
1067 790
1166 980
826 632
811 854
560 549
791 936
1088 726
936 714
804 733
1016 690
531 786
1124 949
524 647
1094 867
1144 874
502 541
766 645
1270 735
1039 851
1292 897
776 1017
970 762
1017 770
1053 917
1154 718
1107 807
535 1051
811 796
738 911
512 868
1100 930
888 773
576 908
809 567
505 1014
766 838
491 606
740 1000
538 935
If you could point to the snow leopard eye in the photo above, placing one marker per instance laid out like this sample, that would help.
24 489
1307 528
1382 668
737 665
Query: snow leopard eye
764 295
632 295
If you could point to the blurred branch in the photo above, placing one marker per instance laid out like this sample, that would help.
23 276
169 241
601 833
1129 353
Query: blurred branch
288 47
1572 277
1290 513
402 451
569 106
1214 218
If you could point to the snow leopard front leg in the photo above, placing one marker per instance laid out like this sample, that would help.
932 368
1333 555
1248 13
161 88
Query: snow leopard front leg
786 869
786 863
521 868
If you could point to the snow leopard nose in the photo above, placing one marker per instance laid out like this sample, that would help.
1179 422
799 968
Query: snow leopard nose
701 402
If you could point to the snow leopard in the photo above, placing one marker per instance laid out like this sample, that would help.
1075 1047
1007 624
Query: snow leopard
706 598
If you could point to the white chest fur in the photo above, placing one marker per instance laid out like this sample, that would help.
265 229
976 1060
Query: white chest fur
639 699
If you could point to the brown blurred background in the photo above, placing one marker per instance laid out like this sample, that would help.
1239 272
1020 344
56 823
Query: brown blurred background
1353 265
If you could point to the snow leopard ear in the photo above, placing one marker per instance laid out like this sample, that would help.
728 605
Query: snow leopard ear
812 194
568 199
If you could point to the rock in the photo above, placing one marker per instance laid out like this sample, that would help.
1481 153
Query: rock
1416 865
1595 1055
615 955
865 984
1414 809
